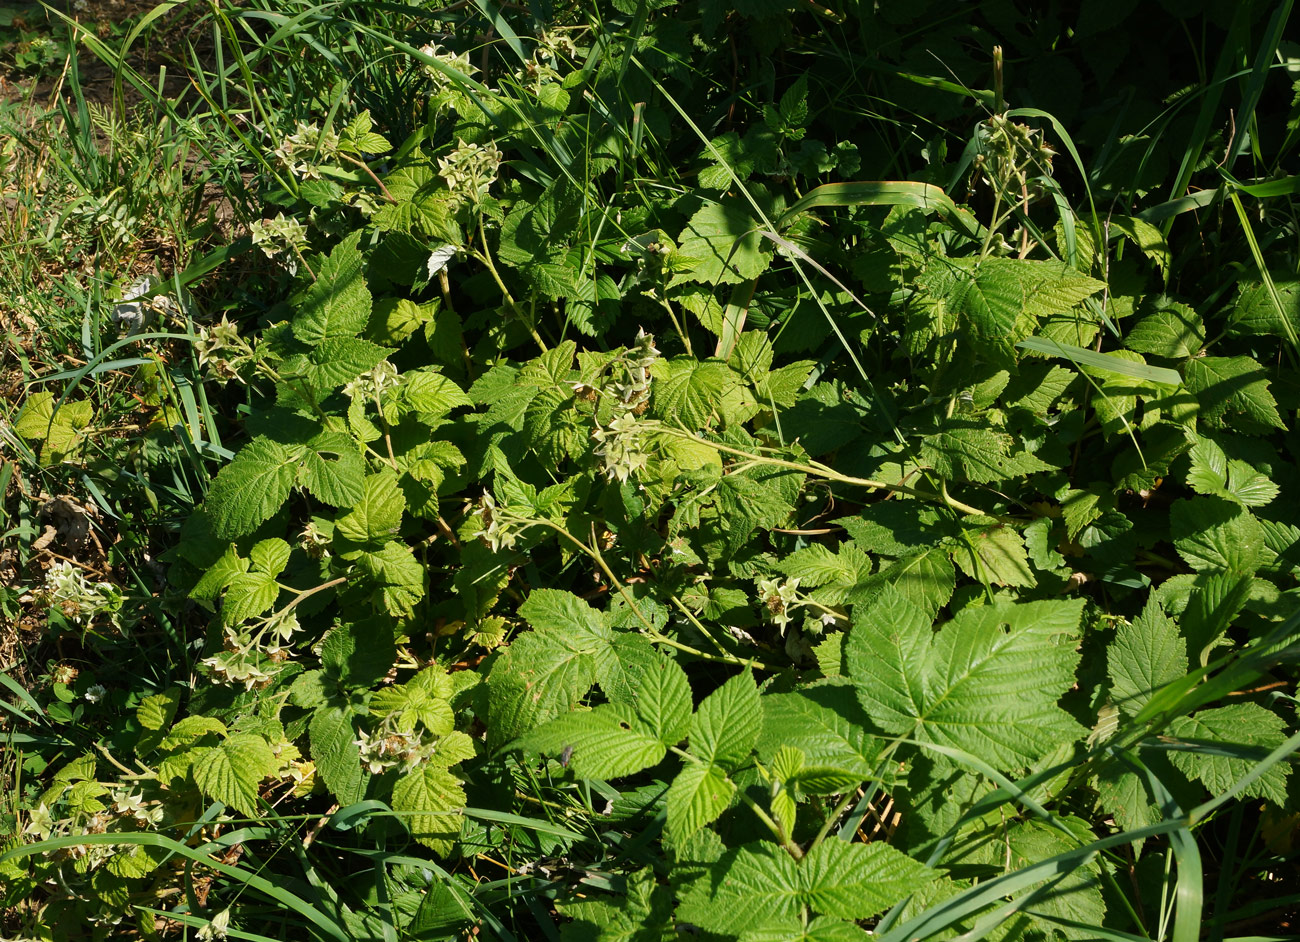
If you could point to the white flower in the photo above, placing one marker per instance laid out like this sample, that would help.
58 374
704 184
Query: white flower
126 803
216 927
39 822
95 693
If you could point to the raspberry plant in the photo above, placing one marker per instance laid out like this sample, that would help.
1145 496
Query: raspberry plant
784 550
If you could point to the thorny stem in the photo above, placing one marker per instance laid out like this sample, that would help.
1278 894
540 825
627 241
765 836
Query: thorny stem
788 845
831 818
486 258
817 469
651 631
366 167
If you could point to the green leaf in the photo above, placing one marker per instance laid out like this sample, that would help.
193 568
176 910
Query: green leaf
1255 312
836 572
430 794
156 711
1227 386
432 393
698 794
1214 475
610 741
333 470
827 725
251 488
925 578
1172 330
248 596
723 241
394 577
337 304
60 429
987 682
726 727
1002 298
336 754
759 886
1213 535
336 361
688 391
231 772
1146 654
967 449
662 697
269 556
995 554
1247 725
226 568
546 671
378 515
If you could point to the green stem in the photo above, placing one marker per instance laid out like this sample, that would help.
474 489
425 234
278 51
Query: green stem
817 469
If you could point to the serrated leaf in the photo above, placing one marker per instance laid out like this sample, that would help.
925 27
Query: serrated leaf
826 724
1236 385
987 682
698 794
394 577
231 772
220 574
1001 298
837 572
336 754
1146 654
190 728
688 391
723 240
333 470
269 556
430 794
337 304
157 710
432 393
1214 535
543 673
336 361
925 578
726 727
968 450
1171 330
610 741
248 596
995 554
251 488
759 885
378 515
1248 725
1214 475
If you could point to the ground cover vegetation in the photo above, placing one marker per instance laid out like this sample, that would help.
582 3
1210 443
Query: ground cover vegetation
632 470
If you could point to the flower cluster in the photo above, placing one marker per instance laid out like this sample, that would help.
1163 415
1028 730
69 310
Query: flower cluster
622 442
780 598
499 528
622 447
442 82
251 657
470 170
390 747
1010 154
282 238
304 151
222 350
78 598
375 382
